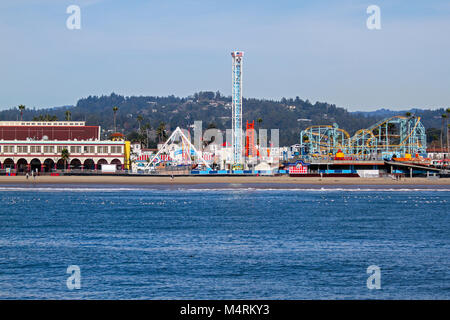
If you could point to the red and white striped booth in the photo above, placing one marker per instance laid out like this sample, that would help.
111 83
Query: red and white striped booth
144 157
298 167
208 157
162 157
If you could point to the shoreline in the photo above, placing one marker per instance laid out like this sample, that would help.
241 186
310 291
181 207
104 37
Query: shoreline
259 181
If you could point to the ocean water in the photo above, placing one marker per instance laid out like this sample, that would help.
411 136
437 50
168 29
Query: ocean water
224 242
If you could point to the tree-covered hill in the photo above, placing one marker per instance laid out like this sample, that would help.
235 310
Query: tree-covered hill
288 115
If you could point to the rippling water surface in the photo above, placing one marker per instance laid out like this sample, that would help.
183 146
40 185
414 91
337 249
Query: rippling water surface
237 242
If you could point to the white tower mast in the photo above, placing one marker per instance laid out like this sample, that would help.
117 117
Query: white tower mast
237 108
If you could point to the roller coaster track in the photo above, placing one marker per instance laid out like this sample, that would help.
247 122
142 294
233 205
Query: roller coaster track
411 134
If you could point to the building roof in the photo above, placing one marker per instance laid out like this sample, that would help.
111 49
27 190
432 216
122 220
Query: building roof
437 150
47 131
117 134
43 123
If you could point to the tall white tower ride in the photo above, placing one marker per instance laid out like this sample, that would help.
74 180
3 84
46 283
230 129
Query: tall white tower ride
237 109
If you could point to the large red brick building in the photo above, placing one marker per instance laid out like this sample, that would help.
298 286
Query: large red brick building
37 146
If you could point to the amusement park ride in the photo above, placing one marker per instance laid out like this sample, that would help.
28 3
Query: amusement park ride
238 163
391 137
250 148
188 155
397 138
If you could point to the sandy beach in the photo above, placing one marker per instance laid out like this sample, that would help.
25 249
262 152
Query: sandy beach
192 180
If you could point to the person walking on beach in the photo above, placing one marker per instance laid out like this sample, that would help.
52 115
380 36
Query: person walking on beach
27 175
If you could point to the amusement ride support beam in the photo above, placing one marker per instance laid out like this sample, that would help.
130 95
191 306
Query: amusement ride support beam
186 141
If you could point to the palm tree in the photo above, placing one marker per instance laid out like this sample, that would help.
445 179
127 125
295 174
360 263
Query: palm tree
444 119
65 156
68 115
139 120
161 131
259 122
145 128
21 108
115 111
448 149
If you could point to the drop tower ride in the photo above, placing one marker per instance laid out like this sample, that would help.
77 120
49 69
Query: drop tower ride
236 95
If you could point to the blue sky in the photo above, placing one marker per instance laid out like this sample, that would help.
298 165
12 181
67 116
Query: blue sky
318 50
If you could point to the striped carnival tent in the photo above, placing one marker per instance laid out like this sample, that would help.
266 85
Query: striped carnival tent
161 157
208 157
143 157
188 152
165 157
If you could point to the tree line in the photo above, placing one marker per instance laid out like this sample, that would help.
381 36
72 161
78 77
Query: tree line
149 119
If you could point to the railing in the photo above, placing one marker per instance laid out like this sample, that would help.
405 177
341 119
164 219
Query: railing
168 170
332 160
62 172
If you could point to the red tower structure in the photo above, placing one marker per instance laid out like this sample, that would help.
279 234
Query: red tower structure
250 149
